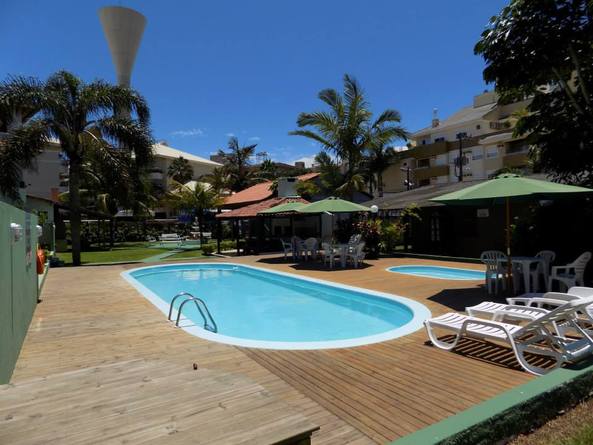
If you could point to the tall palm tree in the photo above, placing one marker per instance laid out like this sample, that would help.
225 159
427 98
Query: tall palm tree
219 179
237 162
20 99
180 170
348 128
197 199
378 158
85 117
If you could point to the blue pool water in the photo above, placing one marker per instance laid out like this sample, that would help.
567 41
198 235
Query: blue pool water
254 307
444 273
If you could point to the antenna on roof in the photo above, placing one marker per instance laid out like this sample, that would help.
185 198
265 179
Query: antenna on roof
435 117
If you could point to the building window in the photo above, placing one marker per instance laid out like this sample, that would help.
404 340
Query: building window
492 152
477 155
439 139
423 163
423 141
478 127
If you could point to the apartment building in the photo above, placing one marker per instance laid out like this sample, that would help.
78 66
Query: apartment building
483 132
50 177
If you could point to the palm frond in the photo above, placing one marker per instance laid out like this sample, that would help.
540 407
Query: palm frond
312 135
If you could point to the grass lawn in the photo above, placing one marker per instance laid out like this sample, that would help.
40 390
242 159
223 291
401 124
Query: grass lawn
575 427
121 252
187 254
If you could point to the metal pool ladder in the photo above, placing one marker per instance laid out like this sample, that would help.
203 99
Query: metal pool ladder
209 323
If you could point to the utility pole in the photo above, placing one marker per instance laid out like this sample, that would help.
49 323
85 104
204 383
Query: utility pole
460 136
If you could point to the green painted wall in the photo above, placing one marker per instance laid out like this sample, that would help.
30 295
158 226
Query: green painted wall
18 284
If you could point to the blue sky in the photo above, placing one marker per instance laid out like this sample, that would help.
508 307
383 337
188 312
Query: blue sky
211 69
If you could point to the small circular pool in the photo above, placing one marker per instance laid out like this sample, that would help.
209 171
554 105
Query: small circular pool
260 308
440 272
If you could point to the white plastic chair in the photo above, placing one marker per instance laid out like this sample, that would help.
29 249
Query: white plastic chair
536 337
287 248
542 269
311 248
298 248
572 274
329 254
495 270
357 254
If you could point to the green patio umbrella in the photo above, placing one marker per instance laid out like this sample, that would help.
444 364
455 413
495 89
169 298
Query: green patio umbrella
333 205
506 188
287 207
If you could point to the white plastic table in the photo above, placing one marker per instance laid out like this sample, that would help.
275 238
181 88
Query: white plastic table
525 262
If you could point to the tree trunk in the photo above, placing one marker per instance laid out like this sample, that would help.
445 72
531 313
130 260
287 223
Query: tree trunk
200 228
111 232
380 184
74 186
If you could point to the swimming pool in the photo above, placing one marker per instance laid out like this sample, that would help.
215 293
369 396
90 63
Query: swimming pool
440 272
258 308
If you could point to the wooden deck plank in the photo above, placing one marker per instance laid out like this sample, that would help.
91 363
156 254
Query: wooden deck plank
90 317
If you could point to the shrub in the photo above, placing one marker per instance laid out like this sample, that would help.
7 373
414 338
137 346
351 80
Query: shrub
208 249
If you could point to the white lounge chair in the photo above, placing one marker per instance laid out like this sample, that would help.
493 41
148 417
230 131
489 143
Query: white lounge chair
535 337
171 239
572 274
495 271
535 299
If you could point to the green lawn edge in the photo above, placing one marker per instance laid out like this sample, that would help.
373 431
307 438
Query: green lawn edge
516 411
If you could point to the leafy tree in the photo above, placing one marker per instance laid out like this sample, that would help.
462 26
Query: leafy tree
20 100
85 118
544 50
378 158
237 162
333 181
196 200
348 129
307 189
267 170
180 170
219 179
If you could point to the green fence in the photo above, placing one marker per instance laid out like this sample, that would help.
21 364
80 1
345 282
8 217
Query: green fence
18 282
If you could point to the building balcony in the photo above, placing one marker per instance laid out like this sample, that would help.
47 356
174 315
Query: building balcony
439 148
429 172
515 160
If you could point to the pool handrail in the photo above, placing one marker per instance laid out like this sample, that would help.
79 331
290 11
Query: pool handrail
189 297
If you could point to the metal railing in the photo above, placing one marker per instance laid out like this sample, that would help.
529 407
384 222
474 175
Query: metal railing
209 323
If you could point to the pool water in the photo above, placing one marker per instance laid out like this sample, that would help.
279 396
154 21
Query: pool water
254 307
440 272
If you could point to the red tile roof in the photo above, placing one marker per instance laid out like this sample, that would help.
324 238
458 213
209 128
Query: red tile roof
251 211
258 192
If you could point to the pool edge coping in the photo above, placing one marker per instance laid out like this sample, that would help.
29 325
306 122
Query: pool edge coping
420 313
388 269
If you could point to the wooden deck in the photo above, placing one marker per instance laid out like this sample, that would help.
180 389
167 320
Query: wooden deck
91 317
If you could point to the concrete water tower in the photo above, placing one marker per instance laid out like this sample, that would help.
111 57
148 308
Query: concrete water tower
123 28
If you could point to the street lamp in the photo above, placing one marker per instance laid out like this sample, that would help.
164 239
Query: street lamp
374 211
406 169
461 137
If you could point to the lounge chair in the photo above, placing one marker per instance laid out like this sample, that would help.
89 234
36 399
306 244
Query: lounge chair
171 239
572 274
536 337
534 299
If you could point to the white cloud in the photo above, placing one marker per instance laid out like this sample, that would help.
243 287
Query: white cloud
230 135
188 133
254 138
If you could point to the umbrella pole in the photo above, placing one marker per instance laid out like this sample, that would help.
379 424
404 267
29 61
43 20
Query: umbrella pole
508 243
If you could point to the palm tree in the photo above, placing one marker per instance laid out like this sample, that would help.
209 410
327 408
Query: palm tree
84 117
219 179
348 128
267 170
378 158
237 162
20 99
180 170
196 199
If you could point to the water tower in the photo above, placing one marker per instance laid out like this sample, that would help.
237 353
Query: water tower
123 29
